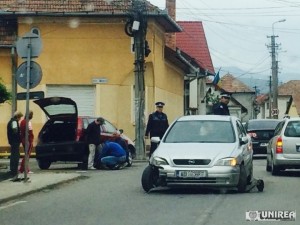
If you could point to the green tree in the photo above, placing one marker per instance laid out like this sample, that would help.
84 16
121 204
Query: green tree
5 95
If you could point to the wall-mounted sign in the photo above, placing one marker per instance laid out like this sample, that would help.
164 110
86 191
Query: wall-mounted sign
101 80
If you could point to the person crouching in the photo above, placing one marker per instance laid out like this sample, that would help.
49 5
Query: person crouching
112 155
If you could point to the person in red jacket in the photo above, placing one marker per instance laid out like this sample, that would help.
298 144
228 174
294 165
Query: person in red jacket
23 139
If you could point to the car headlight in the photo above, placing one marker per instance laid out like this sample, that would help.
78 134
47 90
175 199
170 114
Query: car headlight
157 161
226 162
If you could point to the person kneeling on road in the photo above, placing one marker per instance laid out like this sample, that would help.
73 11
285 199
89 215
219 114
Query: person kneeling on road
112 155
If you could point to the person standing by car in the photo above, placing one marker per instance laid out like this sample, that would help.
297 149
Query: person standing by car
14 140
221 107
112 155
93 132
23 139
157 125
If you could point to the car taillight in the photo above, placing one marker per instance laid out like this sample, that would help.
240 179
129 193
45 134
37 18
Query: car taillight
79 129
252 134
279 145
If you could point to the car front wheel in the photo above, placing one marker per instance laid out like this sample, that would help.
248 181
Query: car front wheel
149 178
242 180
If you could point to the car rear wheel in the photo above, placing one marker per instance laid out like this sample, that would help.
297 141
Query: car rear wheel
242 180
44 164
149 178
274 169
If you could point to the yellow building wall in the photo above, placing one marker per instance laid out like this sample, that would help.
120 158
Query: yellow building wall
76 51
293 111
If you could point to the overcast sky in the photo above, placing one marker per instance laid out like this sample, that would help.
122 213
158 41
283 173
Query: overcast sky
237 33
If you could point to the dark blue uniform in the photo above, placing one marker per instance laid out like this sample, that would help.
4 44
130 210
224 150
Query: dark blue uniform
221 109
156 126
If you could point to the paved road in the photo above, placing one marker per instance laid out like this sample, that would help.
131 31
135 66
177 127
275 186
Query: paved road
116 197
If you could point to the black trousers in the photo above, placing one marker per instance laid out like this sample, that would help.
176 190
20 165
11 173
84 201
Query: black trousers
14 158
153 146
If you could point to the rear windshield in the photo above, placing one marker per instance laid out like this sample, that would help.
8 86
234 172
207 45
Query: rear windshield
292 129
262 125
201 131
60 109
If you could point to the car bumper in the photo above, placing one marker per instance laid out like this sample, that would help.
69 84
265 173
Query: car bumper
221 176
286 161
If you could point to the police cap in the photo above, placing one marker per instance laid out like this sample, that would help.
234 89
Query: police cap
225 95
159 104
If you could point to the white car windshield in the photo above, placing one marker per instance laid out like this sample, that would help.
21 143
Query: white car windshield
201 131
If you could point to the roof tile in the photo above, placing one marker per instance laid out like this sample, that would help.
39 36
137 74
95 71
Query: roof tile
192 40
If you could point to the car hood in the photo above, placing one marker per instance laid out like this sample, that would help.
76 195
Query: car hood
58 107
212 151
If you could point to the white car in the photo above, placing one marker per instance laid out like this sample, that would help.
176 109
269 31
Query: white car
201 150
283 150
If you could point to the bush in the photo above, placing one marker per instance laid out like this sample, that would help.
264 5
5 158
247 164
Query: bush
4 94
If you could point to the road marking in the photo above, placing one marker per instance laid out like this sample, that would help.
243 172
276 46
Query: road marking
205 215
12 204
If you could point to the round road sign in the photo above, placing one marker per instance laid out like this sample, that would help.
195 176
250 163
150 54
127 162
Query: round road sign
35 75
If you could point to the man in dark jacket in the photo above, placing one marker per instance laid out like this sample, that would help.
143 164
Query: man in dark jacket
221 107
93 132
14 140
157 125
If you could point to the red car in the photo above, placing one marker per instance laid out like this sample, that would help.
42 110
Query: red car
62 138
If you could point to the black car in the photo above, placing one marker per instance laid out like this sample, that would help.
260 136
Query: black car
62 138
261 131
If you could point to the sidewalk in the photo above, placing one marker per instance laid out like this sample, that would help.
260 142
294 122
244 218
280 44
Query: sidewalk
38 181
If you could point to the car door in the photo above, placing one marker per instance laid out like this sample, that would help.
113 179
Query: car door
107 131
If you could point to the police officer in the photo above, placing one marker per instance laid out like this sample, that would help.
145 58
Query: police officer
157 125
14 140
221 107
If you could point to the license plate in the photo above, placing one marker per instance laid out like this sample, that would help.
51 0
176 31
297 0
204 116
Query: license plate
264 144
191 173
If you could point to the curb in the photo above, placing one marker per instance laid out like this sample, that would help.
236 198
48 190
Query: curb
49 186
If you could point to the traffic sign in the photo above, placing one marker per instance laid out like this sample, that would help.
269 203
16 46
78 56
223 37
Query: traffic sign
275 112
32 41
35 75
32 95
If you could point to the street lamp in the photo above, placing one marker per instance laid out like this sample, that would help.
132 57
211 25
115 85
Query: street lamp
279 21
274 73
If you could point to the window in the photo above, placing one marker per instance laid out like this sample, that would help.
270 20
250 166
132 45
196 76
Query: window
36 31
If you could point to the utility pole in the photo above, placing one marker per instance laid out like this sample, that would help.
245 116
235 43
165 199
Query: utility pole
136 28
270 97
274 47
274 68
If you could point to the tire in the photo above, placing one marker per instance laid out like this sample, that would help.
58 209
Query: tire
250 176
132 150
274 169
242 180
44 164
84 164
268 167
129 160
148 178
